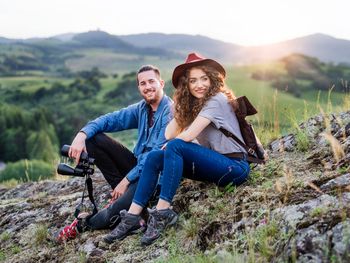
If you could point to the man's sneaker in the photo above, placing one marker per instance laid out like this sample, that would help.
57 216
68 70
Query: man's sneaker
158 221
68 232
71 231
128 225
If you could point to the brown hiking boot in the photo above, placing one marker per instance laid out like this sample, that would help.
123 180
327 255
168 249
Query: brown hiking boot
128 225
158 221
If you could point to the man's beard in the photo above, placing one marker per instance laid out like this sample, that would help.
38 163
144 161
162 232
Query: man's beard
152 100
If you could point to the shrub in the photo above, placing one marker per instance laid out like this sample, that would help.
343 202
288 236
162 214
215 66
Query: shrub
40 234
24 170
266 237
303 142
5 236
2 256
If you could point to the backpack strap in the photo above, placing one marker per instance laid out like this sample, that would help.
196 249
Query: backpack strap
230 134
250 151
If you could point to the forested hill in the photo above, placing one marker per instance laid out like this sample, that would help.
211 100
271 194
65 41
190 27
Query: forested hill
301 74
33 124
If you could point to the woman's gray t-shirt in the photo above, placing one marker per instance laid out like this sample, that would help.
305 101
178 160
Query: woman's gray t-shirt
220 112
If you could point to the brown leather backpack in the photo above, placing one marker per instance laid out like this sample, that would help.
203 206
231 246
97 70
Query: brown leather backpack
253 146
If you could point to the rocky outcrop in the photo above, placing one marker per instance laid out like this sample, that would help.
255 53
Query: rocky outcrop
294 208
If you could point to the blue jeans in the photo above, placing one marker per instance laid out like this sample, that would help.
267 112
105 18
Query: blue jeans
190 160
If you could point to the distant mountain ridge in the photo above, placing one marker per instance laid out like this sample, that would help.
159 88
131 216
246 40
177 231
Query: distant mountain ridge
65 36
176 46
324 47
181 43
4 40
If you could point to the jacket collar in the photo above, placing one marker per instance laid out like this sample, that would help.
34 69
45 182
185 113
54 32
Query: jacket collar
164 101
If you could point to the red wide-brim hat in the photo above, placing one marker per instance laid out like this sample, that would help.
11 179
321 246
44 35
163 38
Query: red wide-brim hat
194 59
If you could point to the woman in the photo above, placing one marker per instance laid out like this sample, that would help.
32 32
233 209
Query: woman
202 105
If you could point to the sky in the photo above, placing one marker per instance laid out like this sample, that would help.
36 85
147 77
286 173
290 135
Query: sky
243 22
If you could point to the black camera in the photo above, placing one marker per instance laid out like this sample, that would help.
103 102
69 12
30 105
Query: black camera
85 167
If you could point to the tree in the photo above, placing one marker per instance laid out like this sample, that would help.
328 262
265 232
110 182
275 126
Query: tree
40 147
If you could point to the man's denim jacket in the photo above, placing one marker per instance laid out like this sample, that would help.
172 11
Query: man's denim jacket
136 117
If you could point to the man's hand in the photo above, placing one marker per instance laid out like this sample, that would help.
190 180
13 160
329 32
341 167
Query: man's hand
120 189
77 146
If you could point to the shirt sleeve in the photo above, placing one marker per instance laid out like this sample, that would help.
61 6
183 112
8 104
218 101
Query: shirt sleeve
213 111
133 174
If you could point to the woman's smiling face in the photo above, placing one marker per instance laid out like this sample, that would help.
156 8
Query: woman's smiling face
198 82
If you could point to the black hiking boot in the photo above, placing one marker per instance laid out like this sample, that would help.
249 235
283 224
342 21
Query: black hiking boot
158 221
129 224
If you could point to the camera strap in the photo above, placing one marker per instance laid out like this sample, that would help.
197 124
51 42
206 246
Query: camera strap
91 193
88 185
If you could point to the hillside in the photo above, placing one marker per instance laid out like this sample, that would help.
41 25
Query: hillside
300 75
296 208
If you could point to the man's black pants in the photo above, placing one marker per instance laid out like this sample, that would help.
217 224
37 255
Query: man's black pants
115 161
111 157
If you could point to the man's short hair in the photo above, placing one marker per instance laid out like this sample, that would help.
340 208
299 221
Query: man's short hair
147 68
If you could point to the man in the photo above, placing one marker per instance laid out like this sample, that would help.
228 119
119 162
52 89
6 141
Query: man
120 167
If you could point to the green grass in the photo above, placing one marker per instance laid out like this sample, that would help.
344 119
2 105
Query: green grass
344 169
30 83
318 211
40 234
303 142
15 249
2 256
27 171
5 236
191 227
266 237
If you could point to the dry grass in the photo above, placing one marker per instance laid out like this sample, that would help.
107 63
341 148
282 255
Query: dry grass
337 149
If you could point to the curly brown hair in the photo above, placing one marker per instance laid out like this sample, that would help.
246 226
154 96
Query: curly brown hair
187 107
